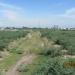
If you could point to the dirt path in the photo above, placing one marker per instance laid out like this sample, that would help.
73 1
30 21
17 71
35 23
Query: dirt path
25 59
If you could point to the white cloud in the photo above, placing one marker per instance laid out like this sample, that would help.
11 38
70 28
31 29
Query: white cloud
9 14
15 17
66 19
4 5
68 14
70 11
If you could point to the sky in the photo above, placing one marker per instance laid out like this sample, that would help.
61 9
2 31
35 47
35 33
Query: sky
37 13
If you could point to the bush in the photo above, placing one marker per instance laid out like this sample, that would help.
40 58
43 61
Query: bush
22 68
14 50
53 52
47 66
66 38
9 36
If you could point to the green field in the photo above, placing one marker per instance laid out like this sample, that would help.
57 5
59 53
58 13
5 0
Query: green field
50 47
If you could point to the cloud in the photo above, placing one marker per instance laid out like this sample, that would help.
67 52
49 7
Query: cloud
68 14
4 5
16 19
70 11
11 15
66 19
19 17
16 16
10 12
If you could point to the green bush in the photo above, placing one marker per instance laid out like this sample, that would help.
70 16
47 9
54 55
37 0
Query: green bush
9 36
65 38
22 68
14 50
53 52
47 66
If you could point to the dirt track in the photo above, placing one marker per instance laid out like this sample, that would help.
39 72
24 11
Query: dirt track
25 59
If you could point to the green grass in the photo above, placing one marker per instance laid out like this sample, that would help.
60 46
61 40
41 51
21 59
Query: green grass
9 60
8 36
65 38
45 65
34 66
30 45
27 44
42 65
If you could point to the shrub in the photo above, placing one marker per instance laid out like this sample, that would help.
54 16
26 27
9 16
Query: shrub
22 68
47 66
53 52
14 50
9 36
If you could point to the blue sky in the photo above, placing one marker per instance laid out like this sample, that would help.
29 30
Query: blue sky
37 13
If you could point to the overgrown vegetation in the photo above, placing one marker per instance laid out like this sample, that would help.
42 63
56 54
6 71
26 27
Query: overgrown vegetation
9 56
53 52
49 60
45 65
47 44
66 38
9 36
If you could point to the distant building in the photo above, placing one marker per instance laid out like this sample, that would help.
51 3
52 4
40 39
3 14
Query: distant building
55 27
1 28
72 28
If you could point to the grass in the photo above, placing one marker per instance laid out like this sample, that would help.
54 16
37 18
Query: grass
25 44
30 44
43 64
66 38
9 60
8 36
46 65
34 66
